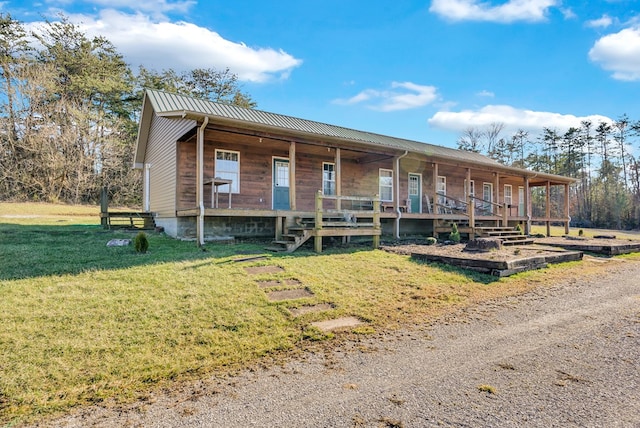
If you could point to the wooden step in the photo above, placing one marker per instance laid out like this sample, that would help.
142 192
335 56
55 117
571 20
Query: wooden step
525 241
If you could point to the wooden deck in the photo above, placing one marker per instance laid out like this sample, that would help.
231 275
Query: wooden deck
365 217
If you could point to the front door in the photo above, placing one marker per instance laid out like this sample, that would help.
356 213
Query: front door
415 190
521 201
280 184
487 196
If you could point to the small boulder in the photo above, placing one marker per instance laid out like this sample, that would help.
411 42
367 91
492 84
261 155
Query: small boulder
484 244
119 243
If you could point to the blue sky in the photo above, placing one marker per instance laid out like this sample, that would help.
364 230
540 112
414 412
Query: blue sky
422 70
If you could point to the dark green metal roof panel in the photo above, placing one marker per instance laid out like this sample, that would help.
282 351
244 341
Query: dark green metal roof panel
168 104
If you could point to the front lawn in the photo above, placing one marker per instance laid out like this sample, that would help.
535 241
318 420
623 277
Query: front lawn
81 323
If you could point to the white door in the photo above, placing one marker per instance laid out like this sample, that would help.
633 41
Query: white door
487 196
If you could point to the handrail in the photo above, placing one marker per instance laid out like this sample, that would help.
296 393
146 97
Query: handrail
461 207
485 201
347 198
375 202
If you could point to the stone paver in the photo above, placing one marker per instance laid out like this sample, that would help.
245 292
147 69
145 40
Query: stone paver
256 270
296 293
337 323
296 312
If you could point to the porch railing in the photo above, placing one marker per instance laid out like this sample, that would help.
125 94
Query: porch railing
480 207
359 205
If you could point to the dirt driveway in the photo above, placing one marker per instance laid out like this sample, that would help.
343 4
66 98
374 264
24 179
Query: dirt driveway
566 356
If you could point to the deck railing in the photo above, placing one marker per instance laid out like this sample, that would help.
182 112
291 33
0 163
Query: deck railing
480 207
365 204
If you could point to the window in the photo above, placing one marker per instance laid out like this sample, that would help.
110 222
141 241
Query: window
521 201
441 190
228 167
328 178
508 195
386 185
469 189
414 185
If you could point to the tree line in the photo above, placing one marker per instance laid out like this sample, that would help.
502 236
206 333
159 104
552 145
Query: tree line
598 155
70 104
69 108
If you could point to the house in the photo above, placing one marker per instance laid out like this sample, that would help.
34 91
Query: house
215 170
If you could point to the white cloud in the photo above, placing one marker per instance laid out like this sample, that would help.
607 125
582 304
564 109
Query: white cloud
183 46
511 11
602 22
619 53
402 96
512 118
485 93
147 5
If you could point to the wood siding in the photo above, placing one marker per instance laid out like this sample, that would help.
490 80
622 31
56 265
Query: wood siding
359 173
256 176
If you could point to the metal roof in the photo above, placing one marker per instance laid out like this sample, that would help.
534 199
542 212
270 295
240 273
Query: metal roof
170 104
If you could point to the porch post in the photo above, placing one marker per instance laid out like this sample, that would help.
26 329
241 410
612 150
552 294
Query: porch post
317 240
434 195
470 203
376 220
506 208
292 175
548 208
566 209
527 206
338 178
505 215
199 182
496 194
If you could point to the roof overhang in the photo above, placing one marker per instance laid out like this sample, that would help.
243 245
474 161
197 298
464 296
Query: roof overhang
285 134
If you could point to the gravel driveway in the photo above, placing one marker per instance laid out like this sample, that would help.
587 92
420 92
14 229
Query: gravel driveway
565 356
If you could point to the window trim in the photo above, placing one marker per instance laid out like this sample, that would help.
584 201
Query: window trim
390 171
521 199
235 184
442 193
325 180
504 194
467 188
488 203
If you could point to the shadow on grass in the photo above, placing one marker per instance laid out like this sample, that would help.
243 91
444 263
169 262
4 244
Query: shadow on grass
29 251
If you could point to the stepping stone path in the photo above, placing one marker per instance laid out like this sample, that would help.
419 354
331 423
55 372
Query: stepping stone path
297 293
278 283
256 270
296 312
338 323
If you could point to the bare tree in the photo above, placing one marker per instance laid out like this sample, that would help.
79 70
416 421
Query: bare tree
471 140
491 136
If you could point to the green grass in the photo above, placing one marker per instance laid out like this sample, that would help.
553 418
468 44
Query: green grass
588 233
81 323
